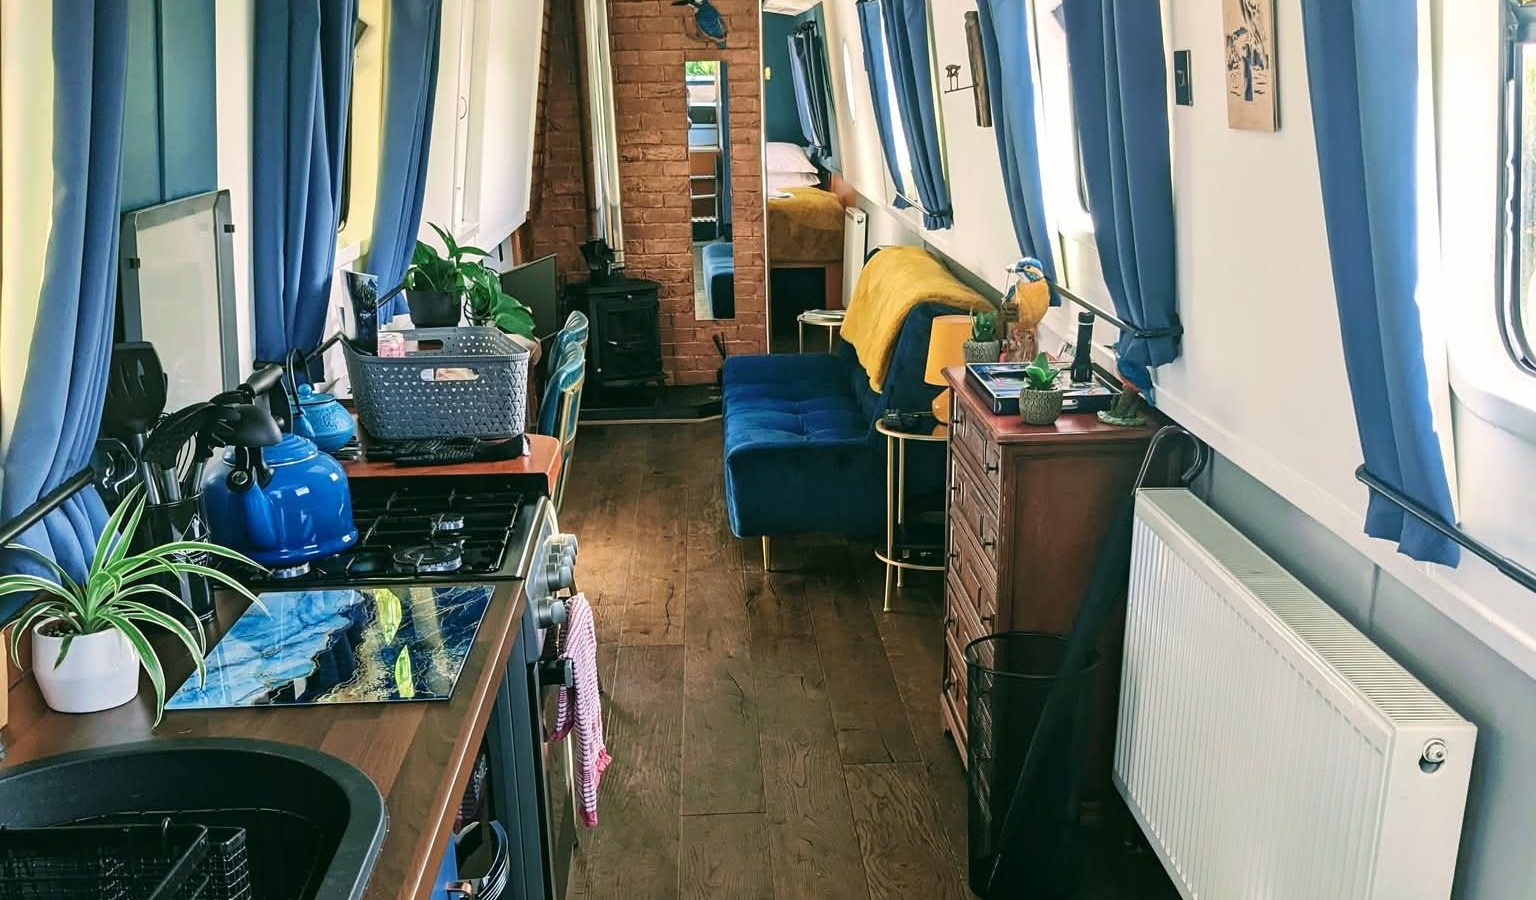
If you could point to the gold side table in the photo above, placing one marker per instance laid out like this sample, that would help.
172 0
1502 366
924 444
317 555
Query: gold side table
896 564
832 320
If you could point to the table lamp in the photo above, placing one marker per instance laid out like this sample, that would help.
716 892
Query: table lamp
946 347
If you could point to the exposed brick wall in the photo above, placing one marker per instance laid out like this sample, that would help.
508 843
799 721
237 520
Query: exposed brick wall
651 40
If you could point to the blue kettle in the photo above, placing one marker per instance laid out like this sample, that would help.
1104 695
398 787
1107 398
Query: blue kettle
282 505
321 418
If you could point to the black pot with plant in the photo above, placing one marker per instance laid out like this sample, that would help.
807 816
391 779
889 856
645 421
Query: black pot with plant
436 283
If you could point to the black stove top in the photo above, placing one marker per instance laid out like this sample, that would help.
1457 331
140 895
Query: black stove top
422 530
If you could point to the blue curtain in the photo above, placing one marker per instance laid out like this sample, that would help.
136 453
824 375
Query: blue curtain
1362 65
906 43
1005 43
808 70
410 85
61 398
871 34
302 74
1119 90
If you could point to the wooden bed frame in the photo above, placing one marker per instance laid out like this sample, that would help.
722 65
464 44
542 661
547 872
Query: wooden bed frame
839 187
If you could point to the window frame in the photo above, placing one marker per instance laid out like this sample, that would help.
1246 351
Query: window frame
1516 333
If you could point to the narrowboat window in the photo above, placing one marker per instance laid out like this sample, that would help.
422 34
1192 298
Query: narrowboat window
1518 302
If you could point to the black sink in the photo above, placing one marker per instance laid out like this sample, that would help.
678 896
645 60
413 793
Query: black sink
314 822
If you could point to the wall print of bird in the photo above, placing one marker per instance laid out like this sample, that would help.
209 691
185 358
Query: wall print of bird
711 25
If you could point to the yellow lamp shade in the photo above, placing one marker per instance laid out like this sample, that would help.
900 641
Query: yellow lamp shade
946 345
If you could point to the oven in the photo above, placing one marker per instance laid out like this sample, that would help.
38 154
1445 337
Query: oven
535 802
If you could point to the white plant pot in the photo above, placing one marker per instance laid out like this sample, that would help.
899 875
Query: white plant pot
101 670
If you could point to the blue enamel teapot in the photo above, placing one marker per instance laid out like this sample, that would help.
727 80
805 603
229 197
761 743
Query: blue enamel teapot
282 504
321 418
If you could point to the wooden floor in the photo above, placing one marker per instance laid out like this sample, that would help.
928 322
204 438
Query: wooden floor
775 735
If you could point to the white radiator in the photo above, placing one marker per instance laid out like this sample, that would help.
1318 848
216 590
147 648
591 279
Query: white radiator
1267 748
855 238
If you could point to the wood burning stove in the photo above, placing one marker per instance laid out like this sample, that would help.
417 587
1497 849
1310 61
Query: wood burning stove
624 347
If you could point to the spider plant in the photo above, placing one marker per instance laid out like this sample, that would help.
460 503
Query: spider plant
115 588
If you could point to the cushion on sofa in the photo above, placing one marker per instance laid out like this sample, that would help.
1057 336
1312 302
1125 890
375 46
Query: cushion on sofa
719 265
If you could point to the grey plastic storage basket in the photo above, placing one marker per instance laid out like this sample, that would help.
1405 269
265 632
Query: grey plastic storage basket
411 397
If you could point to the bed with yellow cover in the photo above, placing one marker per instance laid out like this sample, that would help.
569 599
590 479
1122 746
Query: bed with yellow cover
805 228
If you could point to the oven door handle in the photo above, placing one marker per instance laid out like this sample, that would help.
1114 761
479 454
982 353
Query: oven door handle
557 671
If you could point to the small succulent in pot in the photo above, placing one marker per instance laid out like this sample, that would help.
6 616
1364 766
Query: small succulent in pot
984 345
1040 400
88 639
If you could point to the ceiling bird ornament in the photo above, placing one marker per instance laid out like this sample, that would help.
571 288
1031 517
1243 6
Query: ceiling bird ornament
708 20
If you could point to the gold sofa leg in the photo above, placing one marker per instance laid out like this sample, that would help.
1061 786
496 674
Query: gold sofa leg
767 557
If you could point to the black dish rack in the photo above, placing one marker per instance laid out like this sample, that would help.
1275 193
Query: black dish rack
247 854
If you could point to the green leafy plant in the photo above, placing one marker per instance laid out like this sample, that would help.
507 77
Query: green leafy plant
113 593
488 303
983 327
449 272
1040 374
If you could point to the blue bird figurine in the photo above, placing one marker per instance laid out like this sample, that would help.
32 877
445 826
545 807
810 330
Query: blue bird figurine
710 23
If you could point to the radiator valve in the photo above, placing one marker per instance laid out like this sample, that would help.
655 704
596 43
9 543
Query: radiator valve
1434 754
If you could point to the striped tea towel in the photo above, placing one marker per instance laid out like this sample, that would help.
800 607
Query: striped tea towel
580 706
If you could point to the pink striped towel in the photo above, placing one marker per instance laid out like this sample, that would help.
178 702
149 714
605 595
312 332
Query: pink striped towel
580 707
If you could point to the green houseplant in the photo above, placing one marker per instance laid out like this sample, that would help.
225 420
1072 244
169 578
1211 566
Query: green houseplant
984 346
488 304
1040 400
88 639
436 283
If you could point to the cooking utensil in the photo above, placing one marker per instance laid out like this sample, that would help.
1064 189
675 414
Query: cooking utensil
136 386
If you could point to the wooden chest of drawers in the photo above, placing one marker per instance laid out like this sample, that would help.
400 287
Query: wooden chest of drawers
1027 509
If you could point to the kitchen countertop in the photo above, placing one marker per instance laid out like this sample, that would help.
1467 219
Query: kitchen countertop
420 755
543 461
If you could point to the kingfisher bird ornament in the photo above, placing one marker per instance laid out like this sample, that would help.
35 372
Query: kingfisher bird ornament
707 18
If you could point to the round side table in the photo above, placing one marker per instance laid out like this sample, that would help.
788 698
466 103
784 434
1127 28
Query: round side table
832 321
897 538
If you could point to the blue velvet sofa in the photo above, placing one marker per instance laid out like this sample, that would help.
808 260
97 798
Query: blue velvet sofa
801 452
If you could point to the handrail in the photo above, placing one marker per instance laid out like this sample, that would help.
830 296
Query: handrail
1509 567
1145 334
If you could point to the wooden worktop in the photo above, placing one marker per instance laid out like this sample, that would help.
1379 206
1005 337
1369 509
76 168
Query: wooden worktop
542 462
420 755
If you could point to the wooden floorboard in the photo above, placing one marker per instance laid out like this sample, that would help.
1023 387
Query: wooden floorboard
654 613
723 858
871 724
634 852
904 850
722 766
811 837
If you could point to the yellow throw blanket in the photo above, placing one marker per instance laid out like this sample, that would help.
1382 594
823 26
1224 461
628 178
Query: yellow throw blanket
894 282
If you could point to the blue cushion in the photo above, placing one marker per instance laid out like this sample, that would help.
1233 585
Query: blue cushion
719 262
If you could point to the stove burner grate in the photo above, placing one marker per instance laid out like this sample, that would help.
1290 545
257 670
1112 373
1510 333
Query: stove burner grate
431 557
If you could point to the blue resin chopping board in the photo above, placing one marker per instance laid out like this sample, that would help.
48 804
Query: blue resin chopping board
344 645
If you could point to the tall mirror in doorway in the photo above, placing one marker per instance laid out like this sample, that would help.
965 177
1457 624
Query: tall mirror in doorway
808 227
709 190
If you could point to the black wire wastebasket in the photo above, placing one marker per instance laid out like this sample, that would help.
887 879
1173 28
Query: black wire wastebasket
1009 676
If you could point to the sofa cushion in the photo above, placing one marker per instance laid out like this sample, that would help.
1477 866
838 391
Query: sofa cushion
719 264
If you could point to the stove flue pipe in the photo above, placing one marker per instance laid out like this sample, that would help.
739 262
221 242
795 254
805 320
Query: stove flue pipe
606 208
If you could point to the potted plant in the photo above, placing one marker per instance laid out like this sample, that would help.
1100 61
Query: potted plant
487 304
1040 400
435 284
88 640
983 347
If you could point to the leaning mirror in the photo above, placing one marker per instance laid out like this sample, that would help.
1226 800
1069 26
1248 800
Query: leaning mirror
709 190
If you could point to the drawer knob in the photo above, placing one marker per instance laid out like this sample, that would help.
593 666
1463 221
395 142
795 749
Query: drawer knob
988 545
